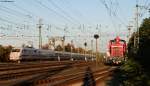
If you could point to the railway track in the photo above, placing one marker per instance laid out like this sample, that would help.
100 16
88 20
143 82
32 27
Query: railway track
27 74
75 79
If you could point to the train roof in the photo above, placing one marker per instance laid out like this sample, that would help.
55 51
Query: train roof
117 39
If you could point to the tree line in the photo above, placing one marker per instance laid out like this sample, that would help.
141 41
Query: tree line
137 70
4 53
70 48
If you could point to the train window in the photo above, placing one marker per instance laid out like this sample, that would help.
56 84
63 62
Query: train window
15 50
34 51
23 51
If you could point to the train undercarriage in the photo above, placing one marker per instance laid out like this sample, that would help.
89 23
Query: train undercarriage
114 60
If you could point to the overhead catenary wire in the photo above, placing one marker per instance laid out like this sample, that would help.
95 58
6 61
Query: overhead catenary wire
112 13
1 19
121 11
78 13
9 15
63 11
15 12
50 9
12 12
29 14
64 14
146 1
55 12
108 10
115 12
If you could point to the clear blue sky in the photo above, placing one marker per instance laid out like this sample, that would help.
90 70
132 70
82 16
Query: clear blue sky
112 16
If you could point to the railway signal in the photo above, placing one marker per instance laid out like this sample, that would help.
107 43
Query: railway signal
92 49
63 41
40 34
96 36
71 50
85 44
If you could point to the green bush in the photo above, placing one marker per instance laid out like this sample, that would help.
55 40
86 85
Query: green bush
134 74
4 53
136 69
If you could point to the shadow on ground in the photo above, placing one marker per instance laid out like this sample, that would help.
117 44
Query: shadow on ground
88 78
116 78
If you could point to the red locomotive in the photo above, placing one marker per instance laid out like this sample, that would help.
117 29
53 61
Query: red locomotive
116 51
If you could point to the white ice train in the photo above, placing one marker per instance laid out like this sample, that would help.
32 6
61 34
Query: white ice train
32 54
